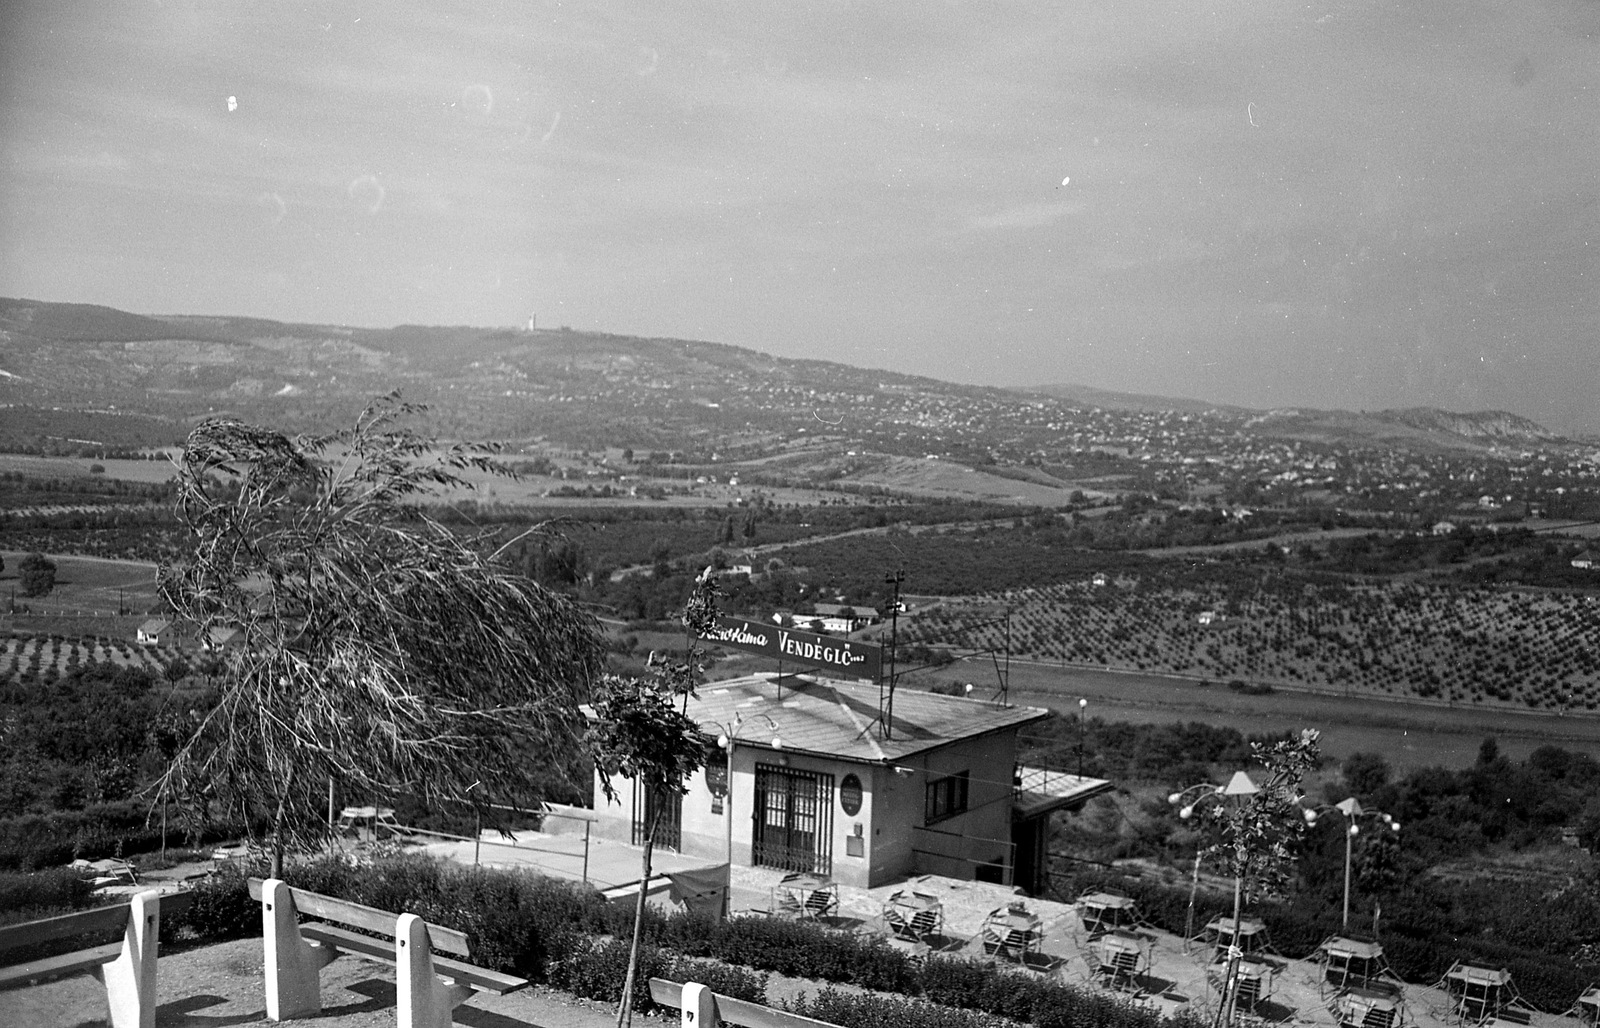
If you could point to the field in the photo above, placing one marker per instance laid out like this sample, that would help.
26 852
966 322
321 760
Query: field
87 587
39 653
1402 640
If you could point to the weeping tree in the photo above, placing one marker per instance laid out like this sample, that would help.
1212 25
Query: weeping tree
380 650
641 731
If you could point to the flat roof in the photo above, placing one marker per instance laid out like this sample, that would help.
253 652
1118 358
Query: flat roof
835 718
1041 790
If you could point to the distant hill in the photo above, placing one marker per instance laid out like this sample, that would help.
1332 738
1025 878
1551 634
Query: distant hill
685 399
1106 399
1488 424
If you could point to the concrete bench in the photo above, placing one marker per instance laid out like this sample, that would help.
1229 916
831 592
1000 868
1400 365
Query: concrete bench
126 968
428 987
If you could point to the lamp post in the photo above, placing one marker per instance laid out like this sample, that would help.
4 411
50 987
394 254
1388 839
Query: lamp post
1239 789
727 738
1351 809
1083 706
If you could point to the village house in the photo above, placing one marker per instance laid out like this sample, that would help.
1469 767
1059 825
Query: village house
220 640
818 785
1588 560
151 632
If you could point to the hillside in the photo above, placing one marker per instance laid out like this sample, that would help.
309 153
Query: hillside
77 378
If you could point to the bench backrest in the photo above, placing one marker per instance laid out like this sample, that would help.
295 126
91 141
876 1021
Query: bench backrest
82 922
358 915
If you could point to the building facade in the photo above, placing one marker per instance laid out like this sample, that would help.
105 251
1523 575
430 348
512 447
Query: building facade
809 775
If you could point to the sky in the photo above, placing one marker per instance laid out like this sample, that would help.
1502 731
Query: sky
1345 203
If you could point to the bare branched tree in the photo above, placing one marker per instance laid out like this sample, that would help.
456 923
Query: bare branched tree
379 648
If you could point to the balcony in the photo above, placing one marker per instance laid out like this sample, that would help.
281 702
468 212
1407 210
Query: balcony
1037 791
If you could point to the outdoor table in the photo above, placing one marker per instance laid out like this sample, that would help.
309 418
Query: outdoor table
913 915
1013 931
1252 935
1374 1004
1101 911
1351 961
1123 955
803 894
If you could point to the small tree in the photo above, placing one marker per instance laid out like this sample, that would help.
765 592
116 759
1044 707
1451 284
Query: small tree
380 649
1256 835
37 573
640 731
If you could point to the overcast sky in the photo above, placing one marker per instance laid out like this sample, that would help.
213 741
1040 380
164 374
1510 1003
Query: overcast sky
1352 203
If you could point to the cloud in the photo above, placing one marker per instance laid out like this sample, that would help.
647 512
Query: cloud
1031 215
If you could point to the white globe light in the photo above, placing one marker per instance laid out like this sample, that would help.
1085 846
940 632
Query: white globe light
777 743
1355 829
722 741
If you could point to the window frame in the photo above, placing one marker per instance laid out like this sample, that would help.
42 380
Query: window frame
947 797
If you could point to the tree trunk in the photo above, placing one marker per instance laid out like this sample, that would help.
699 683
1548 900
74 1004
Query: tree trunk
625 1009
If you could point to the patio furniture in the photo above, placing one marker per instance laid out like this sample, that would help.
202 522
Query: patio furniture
1102 911
805 895
1120 957
1013 932
913 915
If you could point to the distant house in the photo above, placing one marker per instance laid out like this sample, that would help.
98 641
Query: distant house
1444 528
220 640
839 617
1101 579
151 632
1208 617
1588 560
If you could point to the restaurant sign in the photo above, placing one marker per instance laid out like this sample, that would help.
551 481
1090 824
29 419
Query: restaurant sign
852 657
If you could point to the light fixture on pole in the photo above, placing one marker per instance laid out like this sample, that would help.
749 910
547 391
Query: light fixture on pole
1239 789
1351 809
727 738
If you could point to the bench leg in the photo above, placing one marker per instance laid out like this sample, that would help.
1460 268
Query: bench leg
293 967
421 999
130 980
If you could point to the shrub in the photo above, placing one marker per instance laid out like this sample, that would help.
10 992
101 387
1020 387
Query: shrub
221 909
811 951
867 1011
25 897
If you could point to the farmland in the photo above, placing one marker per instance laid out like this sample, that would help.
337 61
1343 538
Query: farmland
1374 639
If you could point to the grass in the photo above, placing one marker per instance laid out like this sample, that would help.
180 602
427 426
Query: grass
87 586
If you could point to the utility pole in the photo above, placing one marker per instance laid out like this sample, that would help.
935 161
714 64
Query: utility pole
893 580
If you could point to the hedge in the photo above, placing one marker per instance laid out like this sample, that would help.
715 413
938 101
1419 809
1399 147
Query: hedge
32 841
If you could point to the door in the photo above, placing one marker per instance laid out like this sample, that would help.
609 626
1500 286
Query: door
793 820
669 829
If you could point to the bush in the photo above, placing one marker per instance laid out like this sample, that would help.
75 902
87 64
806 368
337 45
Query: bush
811 951
25 897
866 1011
221 909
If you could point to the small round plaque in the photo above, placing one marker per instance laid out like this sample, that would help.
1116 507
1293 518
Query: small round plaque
850 795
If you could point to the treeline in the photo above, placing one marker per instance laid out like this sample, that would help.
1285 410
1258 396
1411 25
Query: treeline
91 737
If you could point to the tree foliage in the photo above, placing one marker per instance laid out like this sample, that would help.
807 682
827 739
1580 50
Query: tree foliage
380 649
1257 838
640 732
37 573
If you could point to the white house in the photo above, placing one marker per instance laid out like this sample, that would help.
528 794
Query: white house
818 785
151 632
